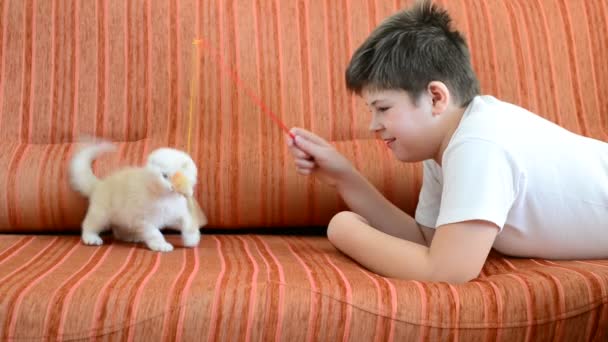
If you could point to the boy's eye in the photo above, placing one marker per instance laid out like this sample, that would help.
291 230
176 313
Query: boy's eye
383 109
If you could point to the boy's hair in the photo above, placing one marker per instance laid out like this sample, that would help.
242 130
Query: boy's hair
409 50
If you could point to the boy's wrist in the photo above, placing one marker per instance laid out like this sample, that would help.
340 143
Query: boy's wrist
348 180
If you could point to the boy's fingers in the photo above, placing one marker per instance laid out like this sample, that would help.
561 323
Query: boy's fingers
305 164
309 135
304 171
289 140
295 150
297 153
308 146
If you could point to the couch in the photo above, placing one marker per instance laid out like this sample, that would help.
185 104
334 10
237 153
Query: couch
264 269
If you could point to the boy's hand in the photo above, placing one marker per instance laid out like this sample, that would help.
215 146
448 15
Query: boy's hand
313 155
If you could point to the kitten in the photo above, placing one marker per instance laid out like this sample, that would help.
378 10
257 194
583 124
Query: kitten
137 201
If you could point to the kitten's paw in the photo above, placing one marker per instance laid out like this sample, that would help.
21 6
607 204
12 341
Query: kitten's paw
160 246
91 239
191 238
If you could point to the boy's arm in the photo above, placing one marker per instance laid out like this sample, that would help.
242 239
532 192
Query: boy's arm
456 255
314 155
364 199
459 250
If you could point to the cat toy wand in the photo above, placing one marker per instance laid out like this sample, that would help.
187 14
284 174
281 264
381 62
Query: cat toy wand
250 93
195 66
193 205
198 216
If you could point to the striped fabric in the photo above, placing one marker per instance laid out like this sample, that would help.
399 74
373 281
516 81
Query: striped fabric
122 70
280 288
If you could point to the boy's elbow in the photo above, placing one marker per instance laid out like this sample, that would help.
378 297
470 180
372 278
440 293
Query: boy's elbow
335 228
459 278
454 275
340 226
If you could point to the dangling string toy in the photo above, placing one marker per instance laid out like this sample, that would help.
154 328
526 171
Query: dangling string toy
194 81
198 216
250 93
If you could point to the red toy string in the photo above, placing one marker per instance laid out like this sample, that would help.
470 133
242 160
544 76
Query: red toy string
248 91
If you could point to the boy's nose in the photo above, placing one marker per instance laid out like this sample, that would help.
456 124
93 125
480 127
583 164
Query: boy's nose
374 125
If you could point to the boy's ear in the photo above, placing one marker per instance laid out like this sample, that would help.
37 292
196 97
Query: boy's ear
440 95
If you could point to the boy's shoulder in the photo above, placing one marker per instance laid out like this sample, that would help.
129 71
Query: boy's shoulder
488 119
489 110
490 128
496 131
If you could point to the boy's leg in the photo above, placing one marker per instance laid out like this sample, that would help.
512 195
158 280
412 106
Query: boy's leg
379 252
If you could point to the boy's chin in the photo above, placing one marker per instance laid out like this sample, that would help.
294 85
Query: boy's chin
400 155
406 157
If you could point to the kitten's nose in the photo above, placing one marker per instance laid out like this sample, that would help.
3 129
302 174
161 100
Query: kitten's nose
180 183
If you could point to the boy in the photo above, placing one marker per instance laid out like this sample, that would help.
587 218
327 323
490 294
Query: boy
495 175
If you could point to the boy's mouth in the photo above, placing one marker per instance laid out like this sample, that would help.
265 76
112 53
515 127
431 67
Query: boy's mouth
388 142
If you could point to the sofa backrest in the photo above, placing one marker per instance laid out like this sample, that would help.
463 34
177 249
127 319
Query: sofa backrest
122 70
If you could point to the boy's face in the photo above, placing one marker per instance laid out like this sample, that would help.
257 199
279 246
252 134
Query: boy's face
408 129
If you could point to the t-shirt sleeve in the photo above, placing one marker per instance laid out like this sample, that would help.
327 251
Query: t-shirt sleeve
429 200
479 183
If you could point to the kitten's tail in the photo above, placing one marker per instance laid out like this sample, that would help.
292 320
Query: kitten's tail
82 177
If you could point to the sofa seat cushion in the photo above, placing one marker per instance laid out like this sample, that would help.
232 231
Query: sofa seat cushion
290 288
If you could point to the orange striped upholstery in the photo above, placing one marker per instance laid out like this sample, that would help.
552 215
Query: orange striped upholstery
121 69
236 287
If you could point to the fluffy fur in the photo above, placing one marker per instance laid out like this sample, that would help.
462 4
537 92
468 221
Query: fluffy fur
137 202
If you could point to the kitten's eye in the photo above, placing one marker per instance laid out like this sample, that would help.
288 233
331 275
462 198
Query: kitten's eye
165 175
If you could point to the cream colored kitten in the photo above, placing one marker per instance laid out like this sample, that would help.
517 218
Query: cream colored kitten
137 202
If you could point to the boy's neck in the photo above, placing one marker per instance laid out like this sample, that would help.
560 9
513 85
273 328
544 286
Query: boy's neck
452 117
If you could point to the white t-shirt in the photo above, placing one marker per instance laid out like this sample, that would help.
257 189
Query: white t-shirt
544 186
